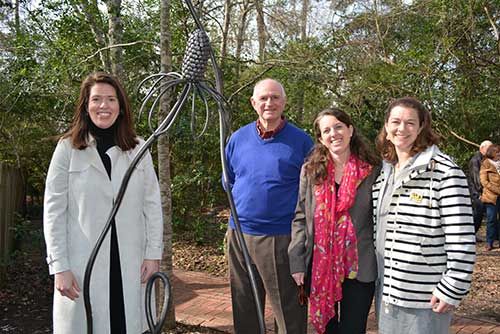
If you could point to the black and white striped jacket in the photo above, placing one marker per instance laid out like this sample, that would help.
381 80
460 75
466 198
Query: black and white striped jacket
429 240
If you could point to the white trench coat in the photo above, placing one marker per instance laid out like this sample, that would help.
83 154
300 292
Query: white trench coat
78 199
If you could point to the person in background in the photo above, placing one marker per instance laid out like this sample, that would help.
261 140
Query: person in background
82 182
332 249
425 240
475 186
264 160
490 180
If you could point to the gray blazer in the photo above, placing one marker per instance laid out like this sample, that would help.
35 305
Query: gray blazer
301 246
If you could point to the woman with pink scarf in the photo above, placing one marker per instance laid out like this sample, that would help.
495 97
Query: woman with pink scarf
331 253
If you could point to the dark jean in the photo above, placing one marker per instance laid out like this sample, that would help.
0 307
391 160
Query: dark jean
354 308
478 211
492 228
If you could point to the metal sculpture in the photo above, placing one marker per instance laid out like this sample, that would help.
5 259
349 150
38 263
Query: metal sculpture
194 64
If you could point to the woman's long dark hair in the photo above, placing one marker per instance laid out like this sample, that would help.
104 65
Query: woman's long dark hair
316 163
427 137
124 133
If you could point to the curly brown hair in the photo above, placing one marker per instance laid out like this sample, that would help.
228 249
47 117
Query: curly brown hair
316 162
427 137
124 133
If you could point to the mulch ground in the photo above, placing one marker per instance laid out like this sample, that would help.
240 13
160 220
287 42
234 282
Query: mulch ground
482 302
26 296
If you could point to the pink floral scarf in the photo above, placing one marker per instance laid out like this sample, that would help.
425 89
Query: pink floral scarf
335 254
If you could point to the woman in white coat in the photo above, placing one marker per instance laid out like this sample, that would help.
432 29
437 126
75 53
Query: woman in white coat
84 177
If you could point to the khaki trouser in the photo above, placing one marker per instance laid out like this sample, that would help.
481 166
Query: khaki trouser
269 255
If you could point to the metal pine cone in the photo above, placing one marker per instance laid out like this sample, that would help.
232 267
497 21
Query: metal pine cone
196 56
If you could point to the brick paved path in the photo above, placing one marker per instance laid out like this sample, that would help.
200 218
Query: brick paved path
201 299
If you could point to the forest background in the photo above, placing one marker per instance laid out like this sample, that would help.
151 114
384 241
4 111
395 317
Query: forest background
356 55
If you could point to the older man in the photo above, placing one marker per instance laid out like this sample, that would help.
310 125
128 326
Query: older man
475 183
264 159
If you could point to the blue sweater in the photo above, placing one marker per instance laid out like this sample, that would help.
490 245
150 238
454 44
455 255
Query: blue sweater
264 176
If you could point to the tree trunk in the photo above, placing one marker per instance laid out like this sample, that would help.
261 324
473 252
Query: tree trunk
261 28
228 5
240 36
380 36
16 16
115 33
303 20
91 14
164 158
303 38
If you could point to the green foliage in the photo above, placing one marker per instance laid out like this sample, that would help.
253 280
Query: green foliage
196 172
443 52
26 234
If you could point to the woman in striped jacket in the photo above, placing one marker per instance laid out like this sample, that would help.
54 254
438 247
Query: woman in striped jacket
424 232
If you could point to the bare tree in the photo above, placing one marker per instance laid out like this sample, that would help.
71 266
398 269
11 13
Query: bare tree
115 34
380 34
92 15
304 13
245 8
228 6
109 44
16 16
261 28
164 155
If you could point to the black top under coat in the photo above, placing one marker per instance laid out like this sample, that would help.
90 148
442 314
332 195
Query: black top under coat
105 139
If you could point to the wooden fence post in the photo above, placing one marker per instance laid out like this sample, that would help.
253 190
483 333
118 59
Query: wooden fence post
11 193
